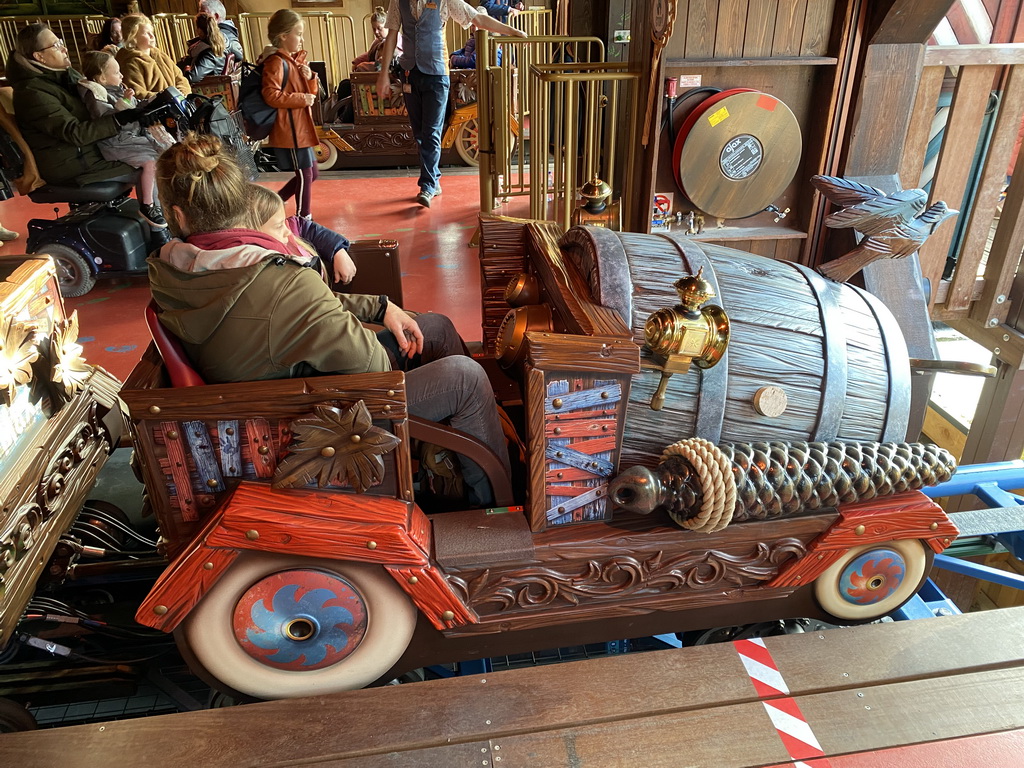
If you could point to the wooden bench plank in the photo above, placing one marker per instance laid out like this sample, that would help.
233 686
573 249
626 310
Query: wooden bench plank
973 664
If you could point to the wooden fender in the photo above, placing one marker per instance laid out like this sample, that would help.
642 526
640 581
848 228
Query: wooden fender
308 523
903 516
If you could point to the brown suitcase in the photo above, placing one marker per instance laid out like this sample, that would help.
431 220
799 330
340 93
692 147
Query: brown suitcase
378 269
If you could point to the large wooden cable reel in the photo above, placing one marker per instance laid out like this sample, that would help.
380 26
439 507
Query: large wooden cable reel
736 153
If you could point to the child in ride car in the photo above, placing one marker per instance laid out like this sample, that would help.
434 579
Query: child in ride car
103 93
301 237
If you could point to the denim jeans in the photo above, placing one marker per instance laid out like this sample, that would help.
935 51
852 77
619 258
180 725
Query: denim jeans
427 104
444 385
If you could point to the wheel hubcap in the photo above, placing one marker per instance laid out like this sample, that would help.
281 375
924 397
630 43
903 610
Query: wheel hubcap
300 620
872 576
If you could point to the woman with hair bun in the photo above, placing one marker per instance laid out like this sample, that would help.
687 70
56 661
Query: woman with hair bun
247 308
290 86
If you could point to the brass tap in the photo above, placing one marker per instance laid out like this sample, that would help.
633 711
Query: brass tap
686 333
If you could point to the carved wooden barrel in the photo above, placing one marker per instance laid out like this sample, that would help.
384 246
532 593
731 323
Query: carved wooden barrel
835 350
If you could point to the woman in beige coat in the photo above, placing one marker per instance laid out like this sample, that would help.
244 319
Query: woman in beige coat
146 69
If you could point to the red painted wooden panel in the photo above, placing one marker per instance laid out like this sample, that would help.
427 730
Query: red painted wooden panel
182 585
178 466
433 595
257 436
579 428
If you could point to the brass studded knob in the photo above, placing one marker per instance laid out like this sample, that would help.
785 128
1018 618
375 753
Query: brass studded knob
263 450
327 451
859 530
356 438
212 483
172 435
448 615
371 545
154 409
252 535
207 566
414 580
160 610
557 402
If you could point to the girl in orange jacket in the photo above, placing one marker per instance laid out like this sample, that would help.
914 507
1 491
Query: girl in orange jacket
290 86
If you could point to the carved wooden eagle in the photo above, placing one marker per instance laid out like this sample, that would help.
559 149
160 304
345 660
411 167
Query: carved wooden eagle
893 226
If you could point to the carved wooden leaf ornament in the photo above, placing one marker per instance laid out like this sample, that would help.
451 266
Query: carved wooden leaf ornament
69 371
336 446
18 351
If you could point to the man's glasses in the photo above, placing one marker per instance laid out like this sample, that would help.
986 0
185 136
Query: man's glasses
58 44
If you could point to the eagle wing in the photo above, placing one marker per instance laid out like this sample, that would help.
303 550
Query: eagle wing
844 193
873 217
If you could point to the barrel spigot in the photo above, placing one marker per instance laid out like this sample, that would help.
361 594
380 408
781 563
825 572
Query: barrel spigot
686 333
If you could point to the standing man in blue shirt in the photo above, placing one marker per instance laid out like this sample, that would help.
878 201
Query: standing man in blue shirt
425 60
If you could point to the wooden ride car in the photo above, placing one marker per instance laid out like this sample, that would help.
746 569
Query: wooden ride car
301 562
380 134
59 421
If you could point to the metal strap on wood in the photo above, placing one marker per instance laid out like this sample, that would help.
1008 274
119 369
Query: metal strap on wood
897 415
714 382
833 332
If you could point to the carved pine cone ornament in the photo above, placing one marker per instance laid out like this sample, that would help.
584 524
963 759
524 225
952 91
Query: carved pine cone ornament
778 479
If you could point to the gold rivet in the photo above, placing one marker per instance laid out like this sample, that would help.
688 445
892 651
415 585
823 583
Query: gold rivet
172 435
229 431
798 577
263 450
558 454
154 409
934 526
212 483
387 409
371 545
252 535
356 438
859 530
604 427
821 557
448 615
559 475
604 395
327 451
391 393
946 542
413 580
557 402
207 566
558 430
160 610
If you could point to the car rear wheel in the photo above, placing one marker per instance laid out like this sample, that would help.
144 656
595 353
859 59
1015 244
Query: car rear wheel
280 626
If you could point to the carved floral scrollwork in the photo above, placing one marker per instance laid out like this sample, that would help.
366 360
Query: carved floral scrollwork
336 446
55 479
18 537
18 350
623 576
68 369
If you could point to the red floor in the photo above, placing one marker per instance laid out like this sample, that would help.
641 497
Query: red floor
440 271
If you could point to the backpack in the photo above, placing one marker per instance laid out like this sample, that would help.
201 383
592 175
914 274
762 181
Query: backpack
258 116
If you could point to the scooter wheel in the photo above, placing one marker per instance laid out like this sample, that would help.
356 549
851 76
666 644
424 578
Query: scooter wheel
73 272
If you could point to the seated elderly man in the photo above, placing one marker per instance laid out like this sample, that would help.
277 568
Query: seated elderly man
52 117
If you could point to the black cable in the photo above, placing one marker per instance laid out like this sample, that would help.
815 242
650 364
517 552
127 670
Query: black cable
112 521
678 102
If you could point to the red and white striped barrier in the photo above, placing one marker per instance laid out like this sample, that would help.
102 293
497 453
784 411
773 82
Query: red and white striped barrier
792 727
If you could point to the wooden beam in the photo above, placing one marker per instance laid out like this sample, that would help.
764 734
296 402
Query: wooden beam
888 89
919 130
911 21
958 55
997 432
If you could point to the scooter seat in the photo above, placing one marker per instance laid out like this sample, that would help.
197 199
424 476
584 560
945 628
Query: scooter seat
100 192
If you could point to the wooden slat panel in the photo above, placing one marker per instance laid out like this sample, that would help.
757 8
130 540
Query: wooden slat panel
955 158
920 126
902 669
817 27
760 30
732 16
789 27
1000 264
960 55
700 29
764 248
